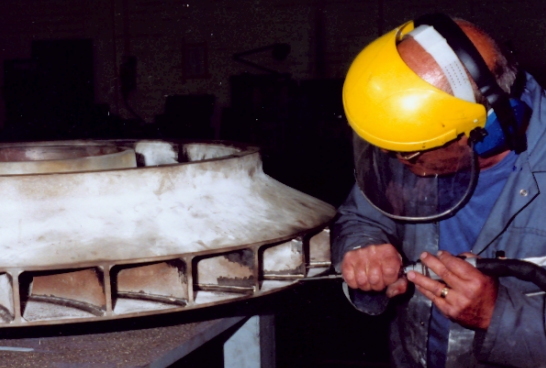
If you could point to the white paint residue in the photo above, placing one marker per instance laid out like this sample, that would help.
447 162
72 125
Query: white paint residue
210 269
316 271
199 152
124 306
165 210
319 247
157 153
283 257
205 297
37 311
272 285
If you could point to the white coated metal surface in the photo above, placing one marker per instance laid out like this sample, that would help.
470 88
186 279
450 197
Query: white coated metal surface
68 218
194 224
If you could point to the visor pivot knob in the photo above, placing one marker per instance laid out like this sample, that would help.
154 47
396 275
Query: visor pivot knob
478 134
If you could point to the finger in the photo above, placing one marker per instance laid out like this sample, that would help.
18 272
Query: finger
398 287
362 279
349 268
431 286
442 270
349 276
390 269
461 269
375 276
441 303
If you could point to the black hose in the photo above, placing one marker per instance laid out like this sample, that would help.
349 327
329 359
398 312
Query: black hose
523 270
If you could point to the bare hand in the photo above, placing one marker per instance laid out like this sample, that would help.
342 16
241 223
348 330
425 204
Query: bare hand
471 295
374 268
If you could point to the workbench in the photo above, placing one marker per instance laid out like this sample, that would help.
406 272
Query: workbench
248 343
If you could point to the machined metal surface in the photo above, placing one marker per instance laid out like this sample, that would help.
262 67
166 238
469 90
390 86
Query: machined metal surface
150 227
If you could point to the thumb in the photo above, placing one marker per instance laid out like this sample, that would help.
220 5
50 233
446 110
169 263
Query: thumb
398 287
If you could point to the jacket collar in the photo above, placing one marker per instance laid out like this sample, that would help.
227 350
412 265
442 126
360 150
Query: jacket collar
521 187
533 95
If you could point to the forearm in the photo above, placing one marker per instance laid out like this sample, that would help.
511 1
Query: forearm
358 225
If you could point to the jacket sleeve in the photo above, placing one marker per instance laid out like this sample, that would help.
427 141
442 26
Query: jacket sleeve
516 335
359 225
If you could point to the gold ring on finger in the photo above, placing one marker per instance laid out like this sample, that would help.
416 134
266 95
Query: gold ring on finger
444 292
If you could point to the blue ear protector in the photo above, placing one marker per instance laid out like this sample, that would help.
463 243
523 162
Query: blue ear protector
495 140
503 127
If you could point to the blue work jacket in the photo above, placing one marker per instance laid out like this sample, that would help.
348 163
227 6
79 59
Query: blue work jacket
517 225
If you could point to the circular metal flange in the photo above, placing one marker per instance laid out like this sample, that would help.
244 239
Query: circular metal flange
191 225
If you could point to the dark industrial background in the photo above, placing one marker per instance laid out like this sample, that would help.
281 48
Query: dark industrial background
268 73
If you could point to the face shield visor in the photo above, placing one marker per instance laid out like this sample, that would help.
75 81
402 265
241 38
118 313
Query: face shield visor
419 186
412 160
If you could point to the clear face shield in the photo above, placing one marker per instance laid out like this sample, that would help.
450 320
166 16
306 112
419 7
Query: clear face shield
419 186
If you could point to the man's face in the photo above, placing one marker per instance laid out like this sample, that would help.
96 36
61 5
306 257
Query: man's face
455 155
448 159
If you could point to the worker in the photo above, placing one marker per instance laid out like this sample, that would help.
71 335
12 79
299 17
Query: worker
450 159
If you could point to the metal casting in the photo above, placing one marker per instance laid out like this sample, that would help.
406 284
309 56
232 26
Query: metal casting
98 230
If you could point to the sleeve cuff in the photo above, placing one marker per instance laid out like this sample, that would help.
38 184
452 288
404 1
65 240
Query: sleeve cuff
372 303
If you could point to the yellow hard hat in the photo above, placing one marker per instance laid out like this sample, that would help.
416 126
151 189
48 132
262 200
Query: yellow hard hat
391 107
